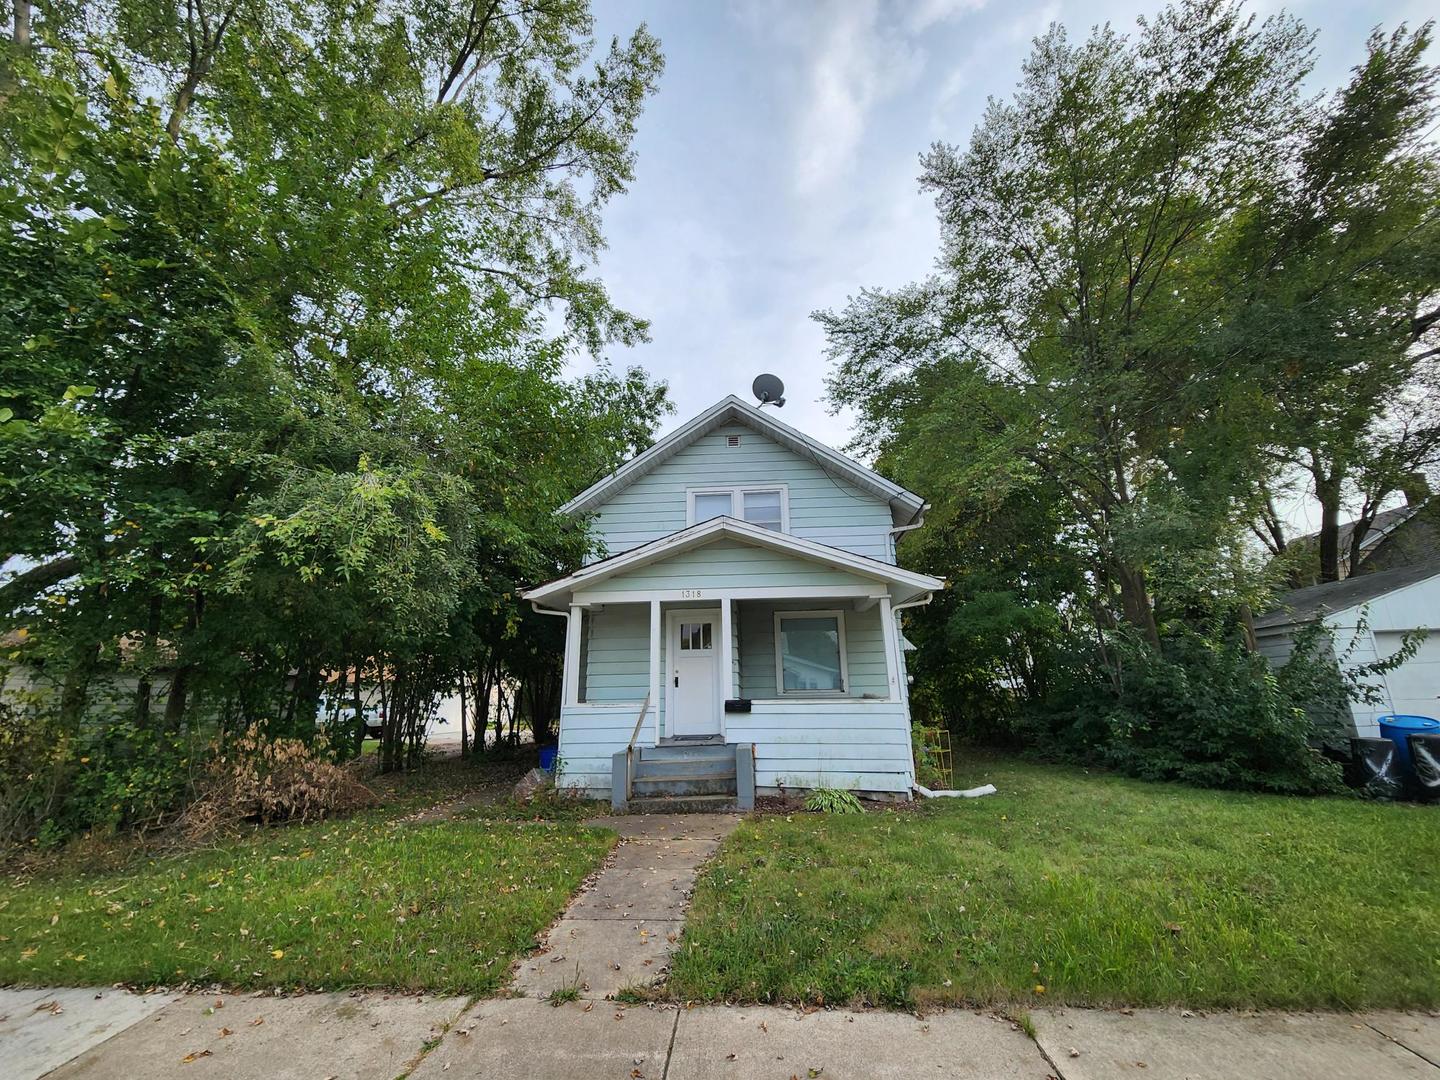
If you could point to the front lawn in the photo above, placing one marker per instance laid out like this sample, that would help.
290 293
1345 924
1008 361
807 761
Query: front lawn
372 901
1075 888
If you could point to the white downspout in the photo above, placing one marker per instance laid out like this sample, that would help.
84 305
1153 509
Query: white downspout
915 523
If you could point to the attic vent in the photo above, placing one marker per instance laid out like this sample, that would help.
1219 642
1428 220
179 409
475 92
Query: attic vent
732 440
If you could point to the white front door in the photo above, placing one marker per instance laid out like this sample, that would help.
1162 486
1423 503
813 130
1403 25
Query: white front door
693 706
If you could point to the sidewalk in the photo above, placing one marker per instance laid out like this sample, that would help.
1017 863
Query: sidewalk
113 1035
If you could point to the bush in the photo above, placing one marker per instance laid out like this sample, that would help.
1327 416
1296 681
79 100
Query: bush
35 766
833 801
257 778
1200 711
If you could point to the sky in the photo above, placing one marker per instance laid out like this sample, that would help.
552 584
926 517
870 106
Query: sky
776 166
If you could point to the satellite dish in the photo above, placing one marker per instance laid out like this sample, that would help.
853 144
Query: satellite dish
769 389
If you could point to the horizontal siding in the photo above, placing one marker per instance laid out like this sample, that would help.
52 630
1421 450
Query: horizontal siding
855 744
589 735
823 507
860 745
617 657
864 647
728 563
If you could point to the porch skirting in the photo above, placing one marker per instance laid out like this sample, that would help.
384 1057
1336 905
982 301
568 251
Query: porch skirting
856 743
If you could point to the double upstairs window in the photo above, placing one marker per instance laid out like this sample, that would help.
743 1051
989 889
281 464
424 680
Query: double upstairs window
765 505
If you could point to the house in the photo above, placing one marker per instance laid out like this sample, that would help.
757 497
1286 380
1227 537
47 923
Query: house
739 632
1366 618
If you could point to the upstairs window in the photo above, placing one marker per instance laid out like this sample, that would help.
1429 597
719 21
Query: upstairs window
765 506
712 504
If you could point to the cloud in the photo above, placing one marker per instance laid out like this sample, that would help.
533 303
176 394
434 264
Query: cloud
857 63
924 14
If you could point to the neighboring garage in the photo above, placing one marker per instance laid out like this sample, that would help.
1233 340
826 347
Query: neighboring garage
1368 617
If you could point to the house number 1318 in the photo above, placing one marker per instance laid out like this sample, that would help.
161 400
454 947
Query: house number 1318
691 594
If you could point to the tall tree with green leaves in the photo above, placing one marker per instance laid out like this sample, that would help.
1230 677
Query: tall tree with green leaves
1083 232
290 291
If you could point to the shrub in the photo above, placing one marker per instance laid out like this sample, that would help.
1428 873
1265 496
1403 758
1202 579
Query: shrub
35 766
262 779
833 801
1200 711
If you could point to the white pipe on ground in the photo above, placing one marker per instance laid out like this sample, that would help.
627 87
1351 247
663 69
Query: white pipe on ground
968 793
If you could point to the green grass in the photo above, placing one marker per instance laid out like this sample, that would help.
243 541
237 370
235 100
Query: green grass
1101 890
371 901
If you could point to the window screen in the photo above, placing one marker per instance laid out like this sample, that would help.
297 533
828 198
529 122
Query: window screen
712 506
763 508
810 653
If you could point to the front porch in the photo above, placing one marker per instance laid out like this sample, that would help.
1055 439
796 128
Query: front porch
811 688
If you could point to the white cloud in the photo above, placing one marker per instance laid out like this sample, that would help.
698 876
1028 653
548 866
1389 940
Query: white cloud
858 63
927 13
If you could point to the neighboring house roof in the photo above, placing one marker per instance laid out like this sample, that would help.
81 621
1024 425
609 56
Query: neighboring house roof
1384 524
905 506
905 584
1317 601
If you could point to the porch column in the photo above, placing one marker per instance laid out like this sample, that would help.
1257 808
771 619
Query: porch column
572 655
655 665
727 660
889 632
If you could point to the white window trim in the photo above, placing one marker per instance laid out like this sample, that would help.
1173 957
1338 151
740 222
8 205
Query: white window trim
839 616
737 493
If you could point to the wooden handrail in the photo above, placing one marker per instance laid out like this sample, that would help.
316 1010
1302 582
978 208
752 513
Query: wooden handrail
644 708
630 749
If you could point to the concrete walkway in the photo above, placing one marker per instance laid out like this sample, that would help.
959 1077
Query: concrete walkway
112 1035
618 933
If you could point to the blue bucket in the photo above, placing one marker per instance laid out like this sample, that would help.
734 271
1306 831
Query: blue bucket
1398 729
547 757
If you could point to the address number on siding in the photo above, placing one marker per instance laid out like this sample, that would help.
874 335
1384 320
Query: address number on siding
692 594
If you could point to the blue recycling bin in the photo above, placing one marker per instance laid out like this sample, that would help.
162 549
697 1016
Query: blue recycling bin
547 757
1399 728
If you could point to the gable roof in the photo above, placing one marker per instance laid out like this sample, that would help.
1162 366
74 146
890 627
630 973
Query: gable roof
905 585
1316 601
905 506
1385 522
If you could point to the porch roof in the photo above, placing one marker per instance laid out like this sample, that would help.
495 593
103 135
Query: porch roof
858 575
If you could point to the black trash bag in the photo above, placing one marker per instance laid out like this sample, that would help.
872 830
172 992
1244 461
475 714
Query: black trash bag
1425 753
1378 774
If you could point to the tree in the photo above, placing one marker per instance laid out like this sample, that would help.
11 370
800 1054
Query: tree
1165 277
1342 312
1082 239
289 292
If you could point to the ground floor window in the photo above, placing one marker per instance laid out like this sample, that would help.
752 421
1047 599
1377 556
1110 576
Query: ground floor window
810 652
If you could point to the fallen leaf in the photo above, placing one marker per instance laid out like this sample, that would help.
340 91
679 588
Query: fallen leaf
277 953
225 1031
195 1055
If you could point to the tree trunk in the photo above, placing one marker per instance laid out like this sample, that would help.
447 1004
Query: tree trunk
1327 492
464 735
1135 601
144 684
176 696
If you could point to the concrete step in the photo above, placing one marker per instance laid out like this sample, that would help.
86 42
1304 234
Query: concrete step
700 768
683 785
683 804
680 752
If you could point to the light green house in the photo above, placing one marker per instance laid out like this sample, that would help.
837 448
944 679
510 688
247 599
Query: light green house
740 633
